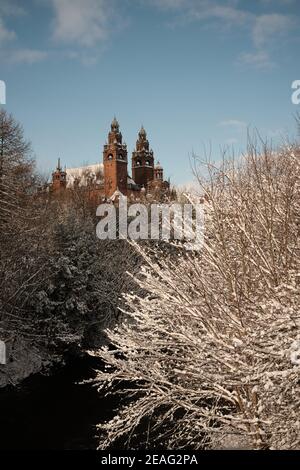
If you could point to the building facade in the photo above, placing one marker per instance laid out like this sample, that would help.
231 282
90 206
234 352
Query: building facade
147 178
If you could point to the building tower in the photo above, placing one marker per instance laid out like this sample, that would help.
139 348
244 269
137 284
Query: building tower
142 161
115 162
59 178
158 172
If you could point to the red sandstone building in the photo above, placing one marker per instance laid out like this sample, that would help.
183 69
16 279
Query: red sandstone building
110 178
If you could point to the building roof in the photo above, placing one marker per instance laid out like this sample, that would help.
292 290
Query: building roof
85 174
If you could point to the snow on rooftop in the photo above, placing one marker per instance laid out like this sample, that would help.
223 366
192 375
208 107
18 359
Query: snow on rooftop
130 180
84 174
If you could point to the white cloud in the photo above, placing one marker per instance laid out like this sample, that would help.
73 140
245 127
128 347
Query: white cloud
206 10
86 59
11 8
226 13
5 34
26 56
233 123
268 26
264 30
279 2
167 4
84 22
259 59
13 54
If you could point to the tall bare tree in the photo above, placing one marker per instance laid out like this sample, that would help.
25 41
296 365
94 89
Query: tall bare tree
16 167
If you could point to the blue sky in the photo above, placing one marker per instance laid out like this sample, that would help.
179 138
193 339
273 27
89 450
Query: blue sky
195 73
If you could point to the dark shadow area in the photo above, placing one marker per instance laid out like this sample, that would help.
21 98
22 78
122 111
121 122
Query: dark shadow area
54 412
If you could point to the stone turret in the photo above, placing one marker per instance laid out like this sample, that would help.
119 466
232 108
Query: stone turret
115 162
142 160
59 178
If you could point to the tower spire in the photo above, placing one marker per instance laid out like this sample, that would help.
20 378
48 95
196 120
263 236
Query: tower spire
115 125
142 133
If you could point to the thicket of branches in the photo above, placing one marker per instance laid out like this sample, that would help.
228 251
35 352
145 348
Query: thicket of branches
214 347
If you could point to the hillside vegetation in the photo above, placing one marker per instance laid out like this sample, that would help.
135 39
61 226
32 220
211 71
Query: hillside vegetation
59 285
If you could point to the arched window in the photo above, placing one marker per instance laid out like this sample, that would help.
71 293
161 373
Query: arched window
138 163
110 157
147 163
